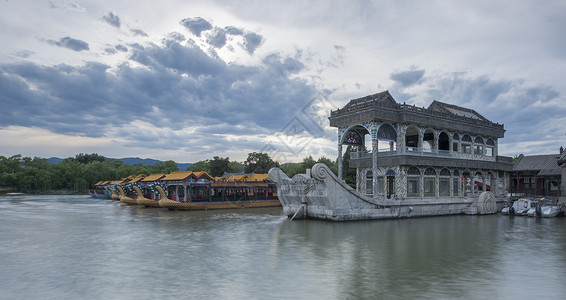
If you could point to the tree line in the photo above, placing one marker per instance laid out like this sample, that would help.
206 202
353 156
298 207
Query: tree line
79 173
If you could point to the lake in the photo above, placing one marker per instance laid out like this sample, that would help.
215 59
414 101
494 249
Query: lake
77 247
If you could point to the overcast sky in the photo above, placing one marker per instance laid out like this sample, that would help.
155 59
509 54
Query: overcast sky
189 80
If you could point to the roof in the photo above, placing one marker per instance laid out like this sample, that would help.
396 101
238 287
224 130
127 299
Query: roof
238 177
546 164
179 175
258 177
153 177
455 110
383 98
562 159
138 178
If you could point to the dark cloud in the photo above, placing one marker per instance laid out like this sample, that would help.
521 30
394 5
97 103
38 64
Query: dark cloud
175 36
121 48
234 30
217 38
252 41
529 112
138 32
179 86
112 19
70 43
407 78
196 25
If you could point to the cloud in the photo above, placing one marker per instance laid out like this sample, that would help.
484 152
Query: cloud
196 25
121 48
234 30
138 32
529 112
70 43
217 37
178 87
407 78
252 41
112 19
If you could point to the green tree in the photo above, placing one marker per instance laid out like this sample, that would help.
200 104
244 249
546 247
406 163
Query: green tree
349 174
219 165
202 165
258 162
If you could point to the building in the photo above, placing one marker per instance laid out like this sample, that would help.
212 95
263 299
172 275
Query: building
409 161
537 176
403 151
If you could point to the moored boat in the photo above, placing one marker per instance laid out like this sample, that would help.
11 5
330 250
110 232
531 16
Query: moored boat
126 199
548 210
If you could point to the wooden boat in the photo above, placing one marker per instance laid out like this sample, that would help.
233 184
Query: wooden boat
126 199
141 200
113 195
176 205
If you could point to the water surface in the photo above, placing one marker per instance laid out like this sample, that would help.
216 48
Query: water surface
76 247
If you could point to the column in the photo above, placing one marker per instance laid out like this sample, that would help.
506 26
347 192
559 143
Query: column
339 159
374 146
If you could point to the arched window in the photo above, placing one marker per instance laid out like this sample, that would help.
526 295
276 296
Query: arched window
411 138
466 144
413 182
456 142
428 140
444 183
456 183
430 182
478 147
490 148
443 141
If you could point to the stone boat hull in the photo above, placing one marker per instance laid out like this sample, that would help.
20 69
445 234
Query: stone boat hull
326 197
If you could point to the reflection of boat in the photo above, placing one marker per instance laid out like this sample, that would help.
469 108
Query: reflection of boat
548 210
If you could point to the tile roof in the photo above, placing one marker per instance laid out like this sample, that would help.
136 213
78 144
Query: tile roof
153 177
179 175
258 177
546 164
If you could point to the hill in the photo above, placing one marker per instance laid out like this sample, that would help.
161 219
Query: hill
131 161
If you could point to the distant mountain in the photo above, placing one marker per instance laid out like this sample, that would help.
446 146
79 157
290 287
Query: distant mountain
130 161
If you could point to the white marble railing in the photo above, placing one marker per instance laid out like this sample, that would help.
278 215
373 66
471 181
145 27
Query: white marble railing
421 152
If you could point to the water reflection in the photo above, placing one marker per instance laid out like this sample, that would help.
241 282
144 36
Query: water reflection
71 247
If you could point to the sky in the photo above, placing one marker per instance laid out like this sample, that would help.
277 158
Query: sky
189 80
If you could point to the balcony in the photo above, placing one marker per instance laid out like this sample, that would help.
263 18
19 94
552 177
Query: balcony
408 151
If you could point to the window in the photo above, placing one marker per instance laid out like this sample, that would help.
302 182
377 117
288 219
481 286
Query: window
455 186
478 150
380 185
369 182
429 190
466 148
413 180
489 151
455 146
444 187
413 186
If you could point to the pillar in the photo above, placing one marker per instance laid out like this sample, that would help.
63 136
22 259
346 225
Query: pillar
339 159
374 146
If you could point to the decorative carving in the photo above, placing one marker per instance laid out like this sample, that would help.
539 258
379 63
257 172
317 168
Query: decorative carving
486 203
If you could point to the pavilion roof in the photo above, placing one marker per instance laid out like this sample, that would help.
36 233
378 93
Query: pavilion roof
455 110
258 177
242 177
179 175
153 177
